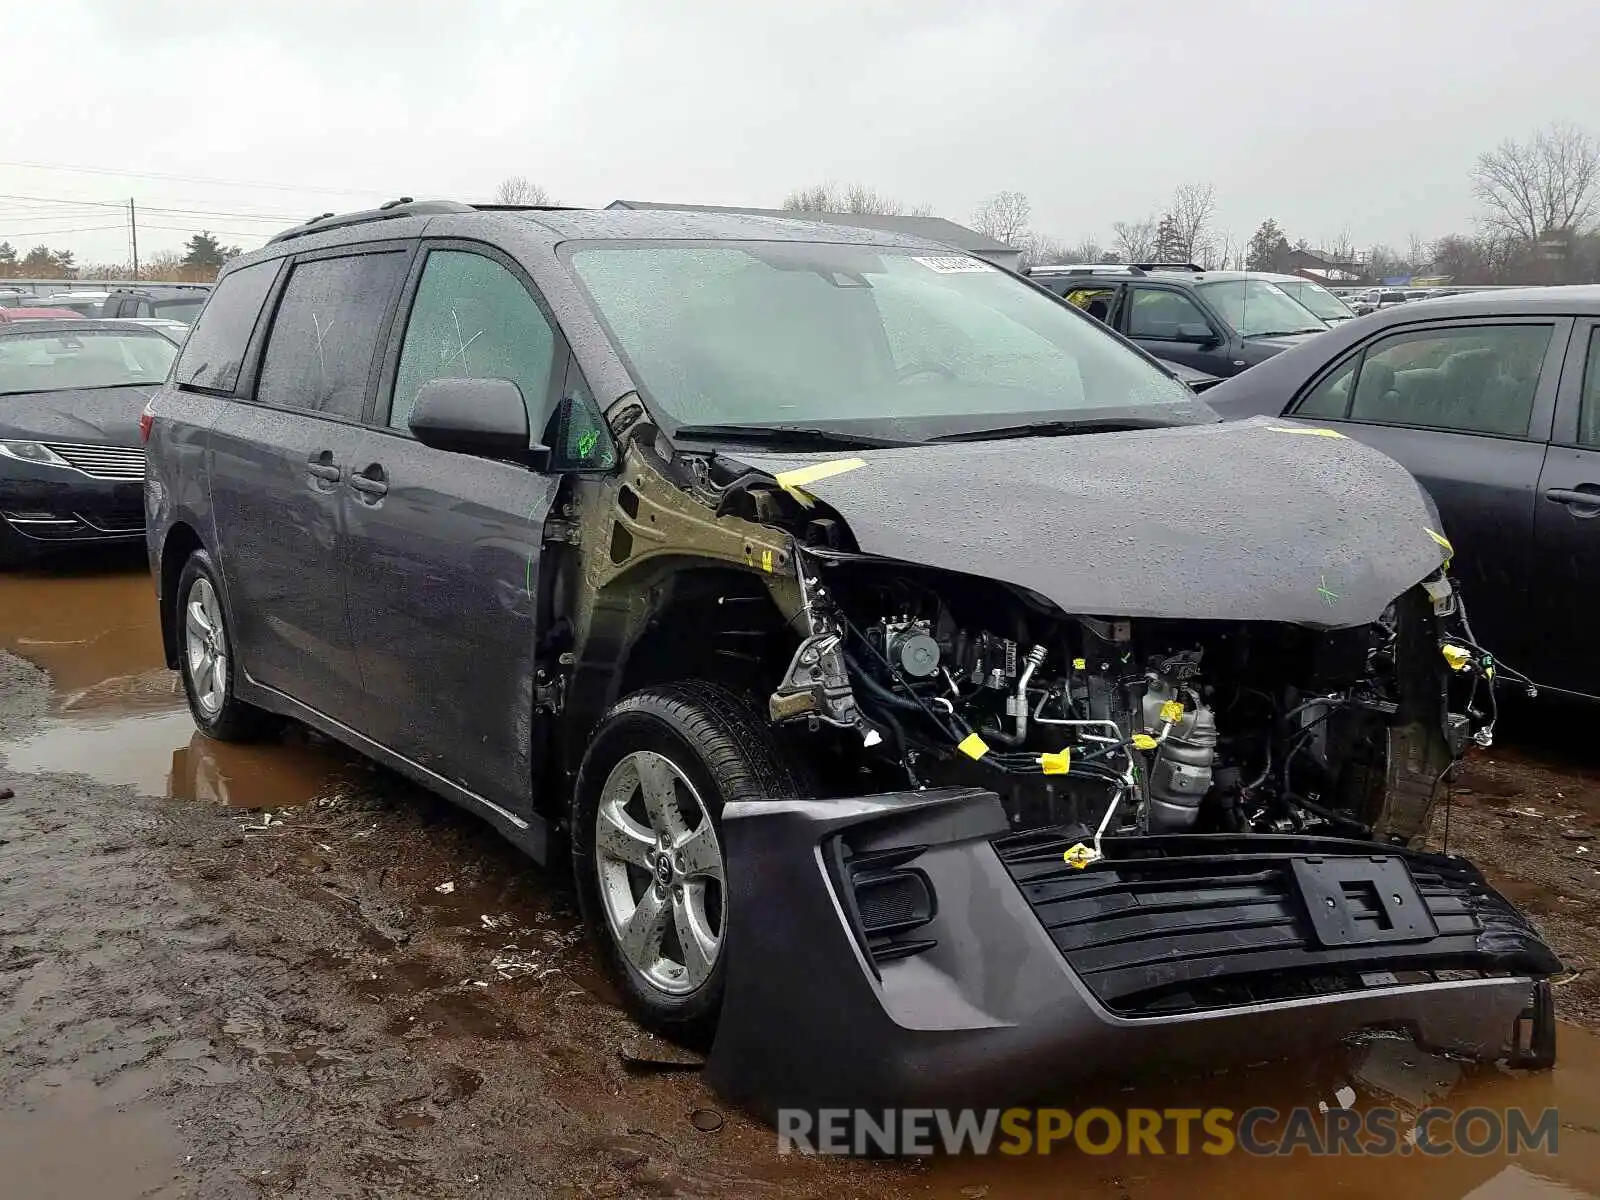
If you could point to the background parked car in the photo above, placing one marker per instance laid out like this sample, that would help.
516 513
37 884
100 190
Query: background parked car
173 302
83 304
1493 402
71 459
1374 299
10 315
1314 296
1218 322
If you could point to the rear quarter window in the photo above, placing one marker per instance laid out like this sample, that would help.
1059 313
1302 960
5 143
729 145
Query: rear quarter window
215 349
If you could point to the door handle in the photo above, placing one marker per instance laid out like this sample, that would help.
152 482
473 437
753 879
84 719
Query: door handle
322 466
1575 497
370 482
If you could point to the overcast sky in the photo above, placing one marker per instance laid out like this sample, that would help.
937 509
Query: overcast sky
1358 116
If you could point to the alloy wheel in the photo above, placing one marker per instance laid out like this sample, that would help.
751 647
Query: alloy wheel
660 869
206 647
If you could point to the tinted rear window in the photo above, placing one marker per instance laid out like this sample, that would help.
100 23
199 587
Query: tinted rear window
215 349
325 336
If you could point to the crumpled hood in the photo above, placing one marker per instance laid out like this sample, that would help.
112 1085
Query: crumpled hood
97 416
1259 520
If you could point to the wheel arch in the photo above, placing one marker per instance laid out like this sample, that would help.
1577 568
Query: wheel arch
181 541
671 621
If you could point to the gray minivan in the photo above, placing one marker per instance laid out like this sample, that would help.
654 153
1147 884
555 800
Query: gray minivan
933 698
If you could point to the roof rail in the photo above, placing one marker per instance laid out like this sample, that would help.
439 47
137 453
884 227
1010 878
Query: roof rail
1169 266
1086 269
522 207
405 206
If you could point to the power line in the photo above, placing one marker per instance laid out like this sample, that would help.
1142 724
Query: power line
255 233
50 200
36 203
277 187
6 234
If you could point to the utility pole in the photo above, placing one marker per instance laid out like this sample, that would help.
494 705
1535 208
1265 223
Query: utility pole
133 232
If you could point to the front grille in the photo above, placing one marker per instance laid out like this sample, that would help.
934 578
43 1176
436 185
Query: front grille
121 463
1184 923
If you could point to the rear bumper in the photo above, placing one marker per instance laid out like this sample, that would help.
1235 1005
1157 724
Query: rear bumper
902 949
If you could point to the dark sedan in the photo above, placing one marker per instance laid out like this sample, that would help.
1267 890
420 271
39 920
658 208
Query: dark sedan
71 462
1493 402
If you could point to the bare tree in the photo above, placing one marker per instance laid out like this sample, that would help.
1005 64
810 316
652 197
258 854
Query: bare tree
1004 217
1188 221
1341 249
1418 254
854 198
1135 241
519 189
1039 249
1547 184
1223 252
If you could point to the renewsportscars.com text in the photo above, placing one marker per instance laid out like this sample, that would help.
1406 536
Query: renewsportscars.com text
1174 1131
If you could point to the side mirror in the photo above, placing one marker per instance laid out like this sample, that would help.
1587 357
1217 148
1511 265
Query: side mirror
1196 333
483 417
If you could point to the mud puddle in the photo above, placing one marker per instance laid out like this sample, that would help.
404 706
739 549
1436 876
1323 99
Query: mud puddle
359 990
119 716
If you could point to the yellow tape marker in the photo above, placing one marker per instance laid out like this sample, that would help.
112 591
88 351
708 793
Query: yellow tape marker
1172 711
1332 433
1079 664
1080 856
766 561
1441 539
1056 764
793 481
973 746
1456 657
1143 741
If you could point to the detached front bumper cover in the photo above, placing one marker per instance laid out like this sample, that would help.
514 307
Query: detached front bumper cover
907 949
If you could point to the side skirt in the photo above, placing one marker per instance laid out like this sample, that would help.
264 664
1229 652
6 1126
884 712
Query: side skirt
532 834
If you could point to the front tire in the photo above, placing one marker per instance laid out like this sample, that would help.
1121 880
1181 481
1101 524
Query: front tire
646 843
206 660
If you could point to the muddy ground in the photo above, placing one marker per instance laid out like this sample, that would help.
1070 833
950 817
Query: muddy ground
279 971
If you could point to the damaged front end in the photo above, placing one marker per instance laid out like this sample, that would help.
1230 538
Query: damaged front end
1073 842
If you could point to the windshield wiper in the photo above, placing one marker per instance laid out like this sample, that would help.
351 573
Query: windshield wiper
1058 428
1288 332
790 435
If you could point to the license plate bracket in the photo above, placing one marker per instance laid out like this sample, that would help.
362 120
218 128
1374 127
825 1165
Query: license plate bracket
1363 901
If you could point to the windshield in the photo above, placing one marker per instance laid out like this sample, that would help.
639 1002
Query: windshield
1256 308
1319 300
799 333
44 361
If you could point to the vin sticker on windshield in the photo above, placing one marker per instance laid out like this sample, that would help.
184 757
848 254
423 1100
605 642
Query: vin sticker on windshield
951 264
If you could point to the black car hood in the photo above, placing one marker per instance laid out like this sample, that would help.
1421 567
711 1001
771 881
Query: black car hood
96 416
1263 520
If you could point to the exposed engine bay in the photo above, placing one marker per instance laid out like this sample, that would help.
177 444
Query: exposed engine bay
1112 726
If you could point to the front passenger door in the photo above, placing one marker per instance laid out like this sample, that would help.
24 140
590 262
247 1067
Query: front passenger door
444 548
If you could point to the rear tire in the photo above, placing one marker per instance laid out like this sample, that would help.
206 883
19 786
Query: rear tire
206 659
646 843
